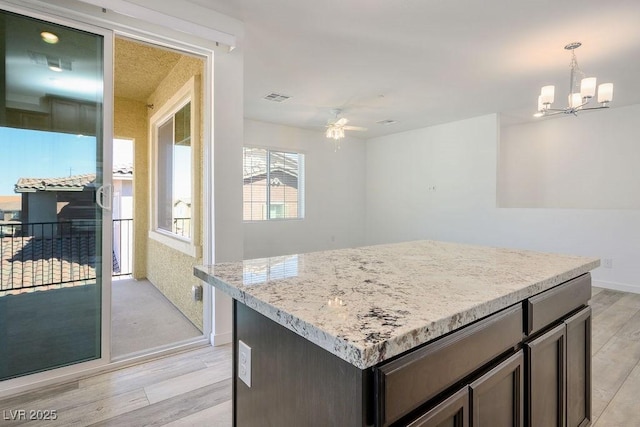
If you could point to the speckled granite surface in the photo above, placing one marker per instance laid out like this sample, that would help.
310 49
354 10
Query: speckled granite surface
368 304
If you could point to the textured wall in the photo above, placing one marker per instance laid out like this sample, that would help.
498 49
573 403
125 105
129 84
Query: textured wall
130 122
171 271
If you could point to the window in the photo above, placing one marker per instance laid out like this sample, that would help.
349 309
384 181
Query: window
173 134
273 186
174 173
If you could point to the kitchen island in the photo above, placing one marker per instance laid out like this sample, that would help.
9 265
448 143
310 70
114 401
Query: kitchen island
417 333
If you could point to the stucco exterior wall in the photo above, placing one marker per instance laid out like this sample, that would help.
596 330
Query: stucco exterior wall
170 270
131 122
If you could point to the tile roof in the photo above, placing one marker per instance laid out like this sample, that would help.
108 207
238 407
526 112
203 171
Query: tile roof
66 183
69 183
124 169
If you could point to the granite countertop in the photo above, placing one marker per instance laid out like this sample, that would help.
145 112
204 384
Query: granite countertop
371 303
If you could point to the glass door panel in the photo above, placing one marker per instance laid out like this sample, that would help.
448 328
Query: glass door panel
50 225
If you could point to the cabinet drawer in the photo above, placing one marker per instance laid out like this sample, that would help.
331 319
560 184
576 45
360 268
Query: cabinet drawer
411 380
549 306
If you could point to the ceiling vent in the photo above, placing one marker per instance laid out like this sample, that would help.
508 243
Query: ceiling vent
387 122
276 97
49 61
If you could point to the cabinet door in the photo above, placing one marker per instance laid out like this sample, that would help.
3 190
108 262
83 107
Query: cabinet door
579 368
88 115
546 375
453 412
65 115
497 397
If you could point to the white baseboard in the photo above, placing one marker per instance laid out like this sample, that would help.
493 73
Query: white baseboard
220 339
624 287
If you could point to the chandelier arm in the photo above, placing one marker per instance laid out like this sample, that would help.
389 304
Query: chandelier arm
594 108
554 113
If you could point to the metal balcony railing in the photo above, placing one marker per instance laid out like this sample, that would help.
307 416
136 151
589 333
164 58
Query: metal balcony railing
57 253
182 227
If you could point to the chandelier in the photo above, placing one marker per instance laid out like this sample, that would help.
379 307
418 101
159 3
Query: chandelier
580 91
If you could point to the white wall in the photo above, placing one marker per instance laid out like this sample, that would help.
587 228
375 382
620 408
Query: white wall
334 194
459 160
226 181
584 162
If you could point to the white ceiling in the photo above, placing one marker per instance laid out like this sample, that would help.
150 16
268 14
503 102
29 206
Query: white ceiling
424 62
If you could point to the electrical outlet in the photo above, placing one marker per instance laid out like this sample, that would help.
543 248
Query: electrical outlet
244 363
607 263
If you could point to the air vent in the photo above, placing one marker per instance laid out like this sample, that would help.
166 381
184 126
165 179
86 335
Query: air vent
49 61
276 97
387 122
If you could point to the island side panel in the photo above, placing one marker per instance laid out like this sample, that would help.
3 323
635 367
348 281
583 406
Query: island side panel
293 381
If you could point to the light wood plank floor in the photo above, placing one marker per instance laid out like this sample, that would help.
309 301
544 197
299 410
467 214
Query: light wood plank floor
194 388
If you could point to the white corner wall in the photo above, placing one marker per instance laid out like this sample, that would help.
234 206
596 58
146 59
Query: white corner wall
334 196
440 183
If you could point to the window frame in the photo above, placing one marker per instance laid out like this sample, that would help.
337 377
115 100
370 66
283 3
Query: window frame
188 93
301 185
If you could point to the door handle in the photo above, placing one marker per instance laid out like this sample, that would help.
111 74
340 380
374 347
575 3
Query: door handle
104 196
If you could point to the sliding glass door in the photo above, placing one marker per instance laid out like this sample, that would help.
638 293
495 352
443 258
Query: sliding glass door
52 178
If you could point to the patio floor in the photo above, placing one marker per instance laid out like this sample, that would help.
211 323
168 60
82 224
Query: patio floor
56 327
143 318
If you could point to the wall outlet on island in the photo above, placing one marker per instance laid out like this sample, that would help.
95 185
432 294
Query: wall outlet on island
244 363
607 262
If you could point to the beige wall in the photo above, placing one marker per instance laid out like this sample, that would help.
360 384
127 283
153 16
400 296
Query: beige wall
171 271
130 121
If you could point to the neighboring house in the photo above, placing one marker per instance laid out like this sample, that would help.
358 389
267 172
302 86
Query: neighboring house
283 180
10 207
182 217
49 201
123 191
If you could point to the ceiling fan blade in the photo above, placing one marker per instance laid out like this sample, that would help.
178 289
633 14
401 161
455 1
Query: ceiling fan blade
354 128
341 122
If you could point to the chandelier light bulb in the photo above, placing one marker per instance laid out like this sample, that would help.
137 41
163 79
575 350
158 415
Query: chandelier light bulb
575 100
547 94
605 93
588 87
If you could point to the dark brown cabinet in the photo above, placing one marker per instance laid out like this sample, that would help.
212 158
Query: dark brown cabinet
497 397
546 374
25 119
71 116
526 365
63 115
493 399
578 331
559 374
414 379
453 412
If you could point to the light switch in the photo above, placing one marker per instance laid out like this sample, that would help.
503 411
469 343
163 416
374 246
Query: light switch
244 363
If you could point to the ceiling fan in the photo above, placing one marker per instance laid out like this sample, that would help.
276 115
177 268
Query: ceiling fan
336 126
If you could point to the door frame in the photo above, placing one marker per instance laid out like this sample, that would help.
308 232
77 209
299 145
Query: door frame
109 30
53 375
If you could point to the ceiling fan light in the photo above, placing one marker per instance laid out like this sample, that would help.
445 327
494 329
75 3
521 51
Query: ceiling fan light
335 132
49 37
605 93
588 87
